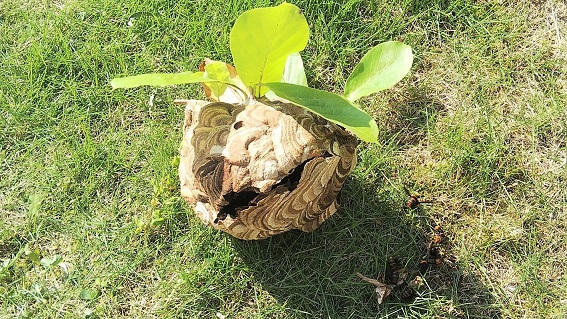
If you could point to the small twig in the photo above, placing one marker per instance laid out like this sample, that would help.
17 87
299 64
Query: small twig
181 101
382 290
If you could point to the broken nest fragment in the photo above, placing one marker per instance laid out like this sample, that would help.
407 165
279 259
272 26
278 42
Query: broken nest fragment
259 169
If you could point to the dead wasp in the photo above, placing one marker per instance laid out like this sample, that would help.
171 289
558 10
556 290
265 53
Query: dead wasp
395 273
437 251
438 235
404 280
414 201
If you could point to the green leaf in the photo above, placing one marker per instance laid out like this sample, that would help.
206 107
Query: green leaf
261 41
35 203
217 71
158 79
294 72
232 89
34 256
88 294
382 67
333 107
53 261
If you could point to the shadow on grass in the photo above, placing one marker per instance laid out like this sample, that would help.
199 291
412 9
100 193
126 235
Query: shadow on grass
407 117
314 274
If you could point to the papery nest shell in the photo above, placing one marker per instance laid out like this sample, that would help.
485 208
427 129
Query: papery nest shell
264 168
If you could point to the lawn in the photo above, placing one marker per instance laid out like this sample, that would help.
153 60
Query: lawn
92 223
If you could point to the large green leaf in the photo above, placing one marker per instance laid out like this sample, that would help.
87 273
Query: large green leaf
294 72
261 41
333 107
158 79
382 67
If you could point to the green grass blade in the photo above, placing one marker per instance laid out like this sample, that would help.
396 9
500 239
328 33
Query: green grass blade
333 107
261 41
382 67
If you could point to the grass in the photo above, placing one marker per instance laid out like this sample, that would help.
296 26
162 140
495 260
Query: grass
92 224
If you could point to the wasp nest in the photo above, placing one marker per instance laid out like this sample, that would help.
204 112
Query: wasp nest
264 168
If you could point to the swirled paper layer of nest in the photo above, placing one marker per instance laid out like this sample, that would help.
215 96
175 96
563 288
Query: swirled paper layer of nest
264 168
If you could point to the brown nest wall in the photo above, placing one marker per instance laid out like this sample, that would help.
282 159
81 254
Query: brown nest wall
262 169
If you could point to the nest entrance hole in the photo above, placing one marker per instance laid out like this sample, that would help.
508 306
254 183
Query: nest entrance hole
242 200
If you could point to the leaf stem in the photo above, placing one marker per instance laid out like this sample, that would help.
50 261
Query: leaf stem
234 86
